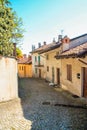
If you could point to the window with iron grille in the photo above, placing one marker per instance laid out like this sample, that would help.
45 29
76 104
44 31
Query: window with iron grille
69 72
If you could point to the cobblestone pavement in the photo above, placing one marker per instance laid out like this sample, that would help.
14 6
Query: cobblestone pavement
43 108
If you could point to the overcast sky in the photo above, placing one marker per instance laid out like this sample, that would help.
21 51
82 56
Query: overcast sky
44 19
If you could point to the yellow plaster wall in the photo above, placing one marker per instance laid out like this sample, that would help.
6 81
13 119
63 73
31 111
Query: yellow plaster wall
52 62
76 85
25 70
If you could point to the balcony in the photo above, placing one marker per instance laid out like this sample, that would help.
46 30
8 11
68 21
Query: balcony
38 64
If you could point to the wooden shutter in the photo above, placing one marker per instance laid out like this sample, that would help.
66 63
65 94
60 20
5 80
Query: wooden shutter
69 72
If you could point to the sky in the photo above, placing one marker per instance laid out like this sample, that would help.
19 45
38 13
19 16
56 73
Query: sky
44 20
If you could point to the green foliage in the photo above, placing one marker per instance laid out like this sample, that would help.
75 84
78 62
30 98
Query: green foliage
10 29
4 2
18 53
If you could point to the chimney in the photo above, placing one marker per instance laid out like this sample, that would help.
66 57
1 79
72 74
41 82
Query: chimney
65 43
24 56
54 40
39 45
44 43
33 47
59 38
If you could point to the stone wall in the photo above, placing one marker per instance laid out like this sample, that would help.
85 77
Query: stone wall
8 79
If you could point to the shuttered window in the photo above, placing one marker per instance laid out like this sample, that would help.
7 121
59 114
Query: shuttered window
69 72
48 68
35 59
38 59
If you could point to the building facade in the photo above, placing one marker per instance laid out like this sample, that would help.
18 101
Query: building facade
64 63
25 67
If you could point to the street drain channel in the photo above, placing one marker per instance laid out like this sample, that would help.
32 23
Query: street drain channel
46 103
65 105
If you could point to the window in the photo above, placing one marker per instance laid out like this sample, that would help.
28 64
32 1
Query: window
47 57
36 70
47 68
35 59
69 72
38 59
22 67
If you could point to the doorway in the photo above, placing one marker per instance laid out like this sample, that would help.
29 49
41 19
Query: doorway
39 73
84 82
58 76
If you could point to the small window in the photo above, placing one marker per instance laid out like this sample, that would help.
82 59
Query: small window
47 68
57 53
69 72
36 70
47 57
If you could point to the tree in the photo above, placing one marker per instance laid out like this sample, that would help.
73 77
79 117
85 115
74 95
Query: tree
19 53
9 28
5 2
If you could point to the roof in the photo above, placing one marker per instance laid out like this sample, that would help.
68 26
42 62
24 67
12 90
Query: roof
25 60
49 48
43 48
78 51
78 41
77 47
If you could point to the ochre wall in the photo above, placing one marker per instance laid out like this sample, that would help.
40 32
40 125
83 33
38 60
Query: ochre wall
8 79
25 70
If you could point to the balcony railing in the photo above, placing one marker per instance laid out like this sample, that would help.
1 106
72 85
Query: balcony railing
38 64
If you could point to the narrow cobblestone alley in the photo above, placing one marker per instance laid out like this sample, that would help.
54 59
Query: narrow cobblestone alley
38 109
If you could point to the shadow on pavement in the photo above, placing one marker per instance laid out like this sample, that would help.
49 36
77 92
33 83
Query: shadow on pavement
42 106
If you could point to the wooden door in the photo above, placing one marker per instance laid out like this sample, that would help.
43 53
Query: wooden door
52 74
39 73
24 71
58 76
85 82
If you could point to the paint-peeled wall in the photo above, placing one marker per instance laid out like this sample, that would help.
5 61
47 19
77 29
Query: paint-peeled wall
8 79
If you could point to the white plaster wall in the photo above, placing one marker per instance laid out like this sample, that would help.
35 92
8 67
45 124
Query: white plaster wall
8 79
42 62
52 62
